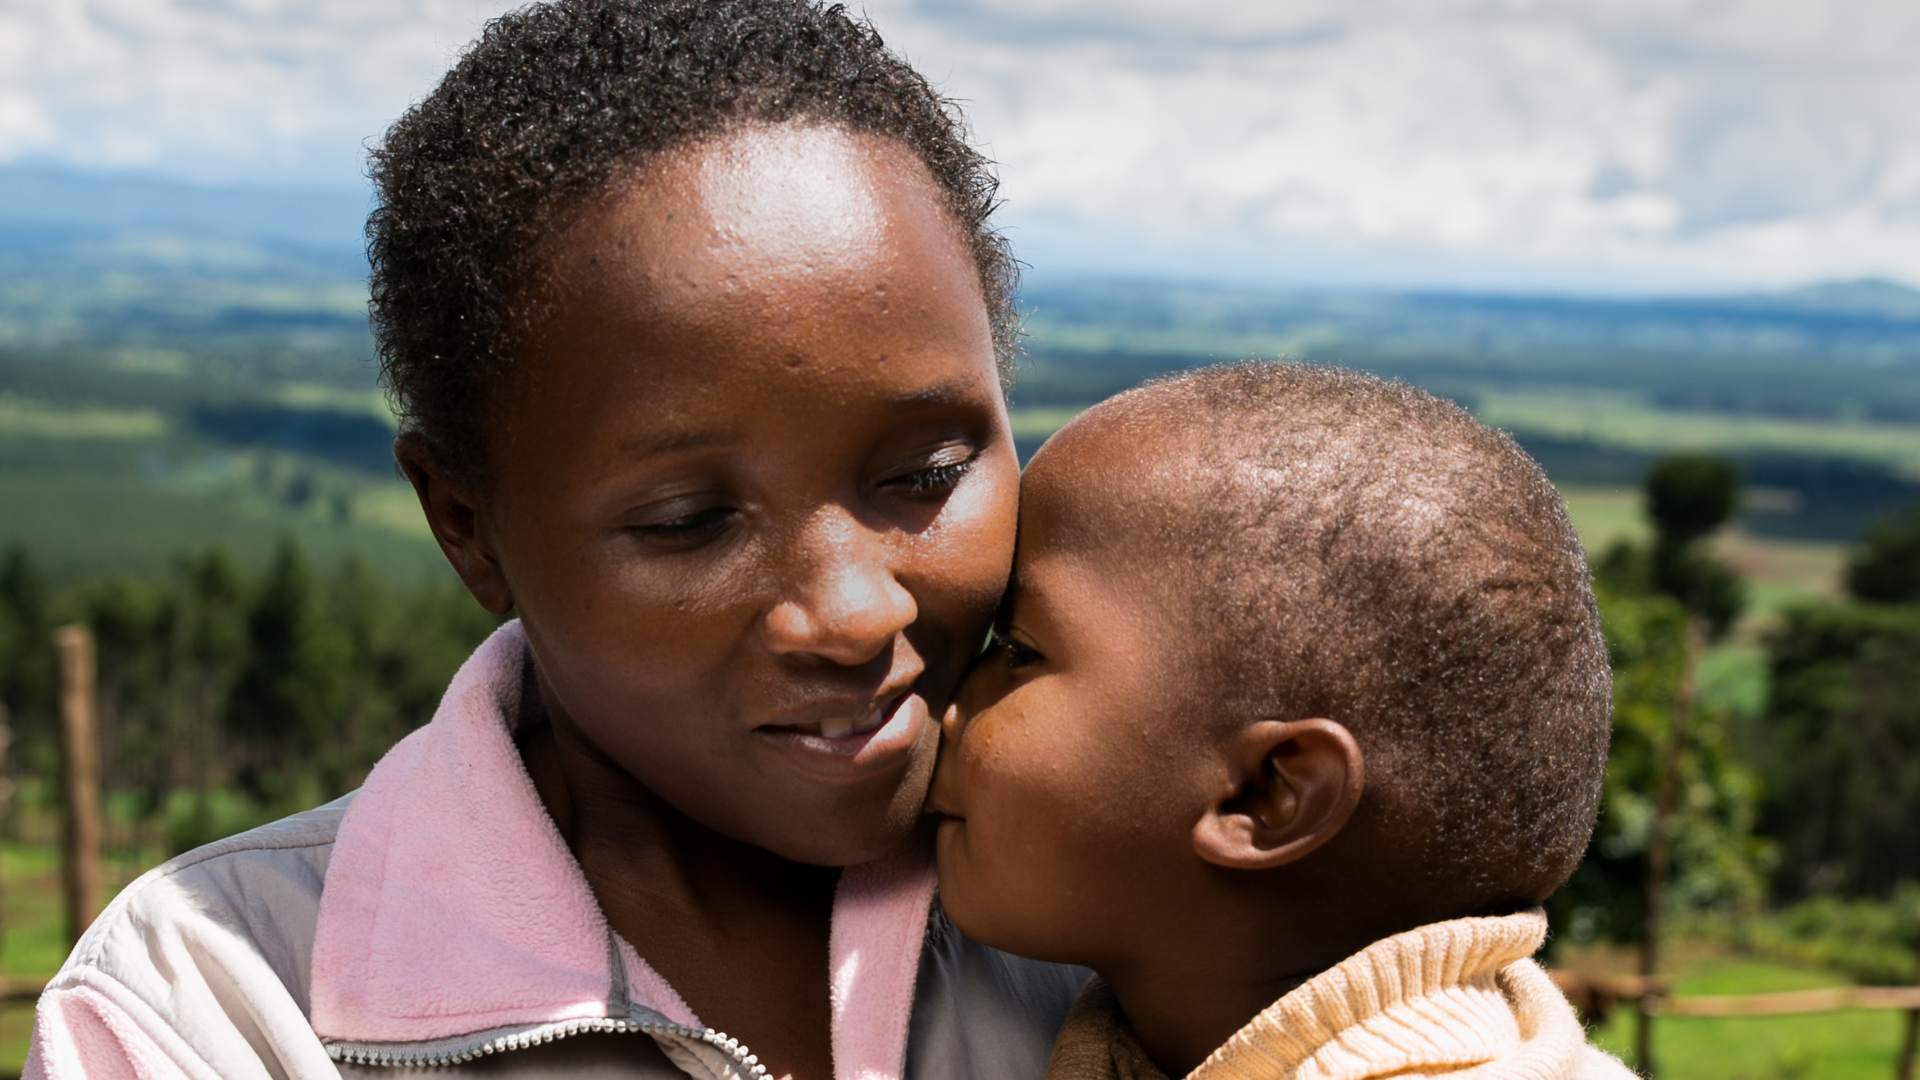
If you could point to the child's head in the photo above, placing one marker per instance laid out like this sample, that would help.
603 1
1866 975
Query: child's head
1293 658
693 317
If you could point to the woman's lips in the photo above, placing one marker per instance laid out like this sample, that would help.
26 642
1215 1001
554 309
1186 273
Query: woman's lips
840 746
839 727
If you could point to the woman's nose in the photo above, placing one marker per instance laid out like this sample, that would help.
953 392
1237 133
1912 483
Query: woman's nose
845 605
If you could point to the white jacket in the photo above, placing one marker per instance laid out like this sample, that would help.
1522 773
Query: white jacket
435 920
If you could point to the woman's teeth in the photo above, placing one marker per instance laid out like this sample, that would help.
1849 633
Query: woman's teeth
842 727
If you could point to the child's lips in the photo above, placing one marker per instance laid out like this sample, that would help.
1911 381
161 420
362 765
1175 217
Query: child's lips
851 744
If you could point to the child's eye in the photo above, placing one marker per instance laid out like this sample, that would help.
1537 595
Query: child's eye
1014 654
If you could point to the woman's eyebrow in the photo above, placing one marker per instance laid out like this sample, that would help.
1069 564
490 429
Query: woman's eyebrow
948 392
650 443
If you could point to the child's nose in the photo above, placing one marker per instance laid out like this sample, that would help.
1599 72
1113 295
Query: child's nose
950 724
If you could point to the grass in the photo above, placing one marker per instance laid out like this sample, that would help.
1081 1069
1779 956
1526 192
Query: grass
1627 421
1194 343
1778 572
1605 515
37 419
1623 420
1039 423
94 491
83 525
33 939
1850 1045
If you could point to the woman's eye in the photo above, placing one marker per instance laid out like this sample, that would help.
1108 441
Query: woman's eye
935 479
687 526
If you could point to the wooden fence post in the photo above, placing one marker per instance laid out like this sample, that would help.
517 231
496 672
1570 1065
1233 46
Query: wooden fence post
80 769
1903 1068
6 804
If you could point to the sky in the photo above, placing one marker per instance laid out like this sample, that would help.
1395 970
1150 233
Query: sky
1551 145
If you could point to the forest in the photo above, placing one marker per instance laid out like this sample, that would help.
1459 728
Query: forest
194 462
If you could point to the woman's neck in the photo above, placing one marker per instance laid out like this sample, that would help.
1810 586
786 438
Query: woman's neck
740 933
626 836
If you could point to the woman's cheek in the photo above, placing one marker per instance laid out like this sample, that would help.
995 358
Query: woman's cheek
976 532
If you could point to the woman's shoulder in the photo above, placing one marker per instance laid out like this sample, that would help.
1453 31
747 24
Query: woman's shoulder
212 944
262 885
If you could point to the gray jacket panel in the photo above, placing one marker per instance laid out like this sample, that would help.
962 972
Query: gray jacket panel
211 955
981 1014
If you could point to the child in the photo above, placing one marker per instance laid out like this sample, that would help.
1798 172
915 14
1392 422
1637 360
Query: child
694 321
1298 710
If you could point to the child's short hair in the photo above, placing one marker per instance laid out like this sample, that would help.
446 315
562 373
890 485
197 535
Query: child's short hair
1367 552
559 100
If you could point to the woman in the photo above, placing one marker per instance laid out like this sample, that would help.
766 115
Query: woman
696 325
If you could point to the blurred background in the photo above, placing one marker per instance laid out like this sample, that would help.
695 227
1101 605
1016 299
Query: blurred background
1672 246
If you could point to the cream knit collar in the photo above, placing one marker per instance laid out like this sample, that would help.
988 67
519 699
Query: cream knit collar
1458 998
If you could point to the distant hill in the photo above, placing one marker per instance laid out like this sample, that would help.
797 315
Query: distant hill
1868 296
114 260
212 343
1871 321
101 254
43 207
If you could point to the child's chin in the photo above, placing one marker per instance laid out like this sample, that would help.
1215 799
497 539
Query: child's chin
956 882
970 902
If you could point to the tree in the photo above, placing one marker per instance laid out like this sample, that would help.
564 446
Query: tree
26 658
1840 749
292 693
1717 860
1689 498
1885 568
228 699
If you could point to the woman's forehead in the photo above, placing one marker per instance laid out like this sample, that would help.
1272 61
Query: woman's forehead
800 197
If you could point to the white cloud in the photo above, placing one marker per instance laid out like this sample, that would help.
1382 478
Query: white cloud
228 90
1614 143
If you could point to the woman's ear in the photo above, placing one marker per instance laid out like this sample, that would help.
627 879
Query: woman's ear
458 524
1293 786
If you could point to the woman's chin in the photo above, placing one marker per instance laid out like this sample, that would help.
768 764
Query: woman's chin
858 825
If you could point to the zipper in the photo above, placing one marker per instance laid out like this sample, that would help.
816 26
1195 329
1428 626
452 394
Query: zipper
619 1020
373 1054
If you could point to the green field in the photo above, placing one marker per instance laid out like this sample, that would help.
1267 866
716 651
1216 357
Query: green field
33 939
1626 420
97 490
1778 572
1854 1044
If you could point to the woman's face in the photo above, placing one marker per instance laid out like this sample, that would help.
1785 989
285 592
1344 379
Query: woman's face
754 488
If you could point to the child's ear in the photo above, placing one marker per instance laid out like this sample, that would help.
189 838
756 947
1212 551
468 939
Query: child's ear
1294 785
457 522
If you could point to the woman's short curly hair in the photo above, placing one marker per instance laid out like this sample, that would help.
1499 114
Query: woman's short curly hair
556 102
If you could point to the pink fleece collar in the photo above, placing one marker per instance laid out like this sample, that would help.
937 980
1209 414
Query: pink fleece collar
452 906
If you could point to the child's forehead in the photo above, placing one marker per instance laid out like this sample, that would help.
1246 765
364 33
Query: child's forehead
1118 482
